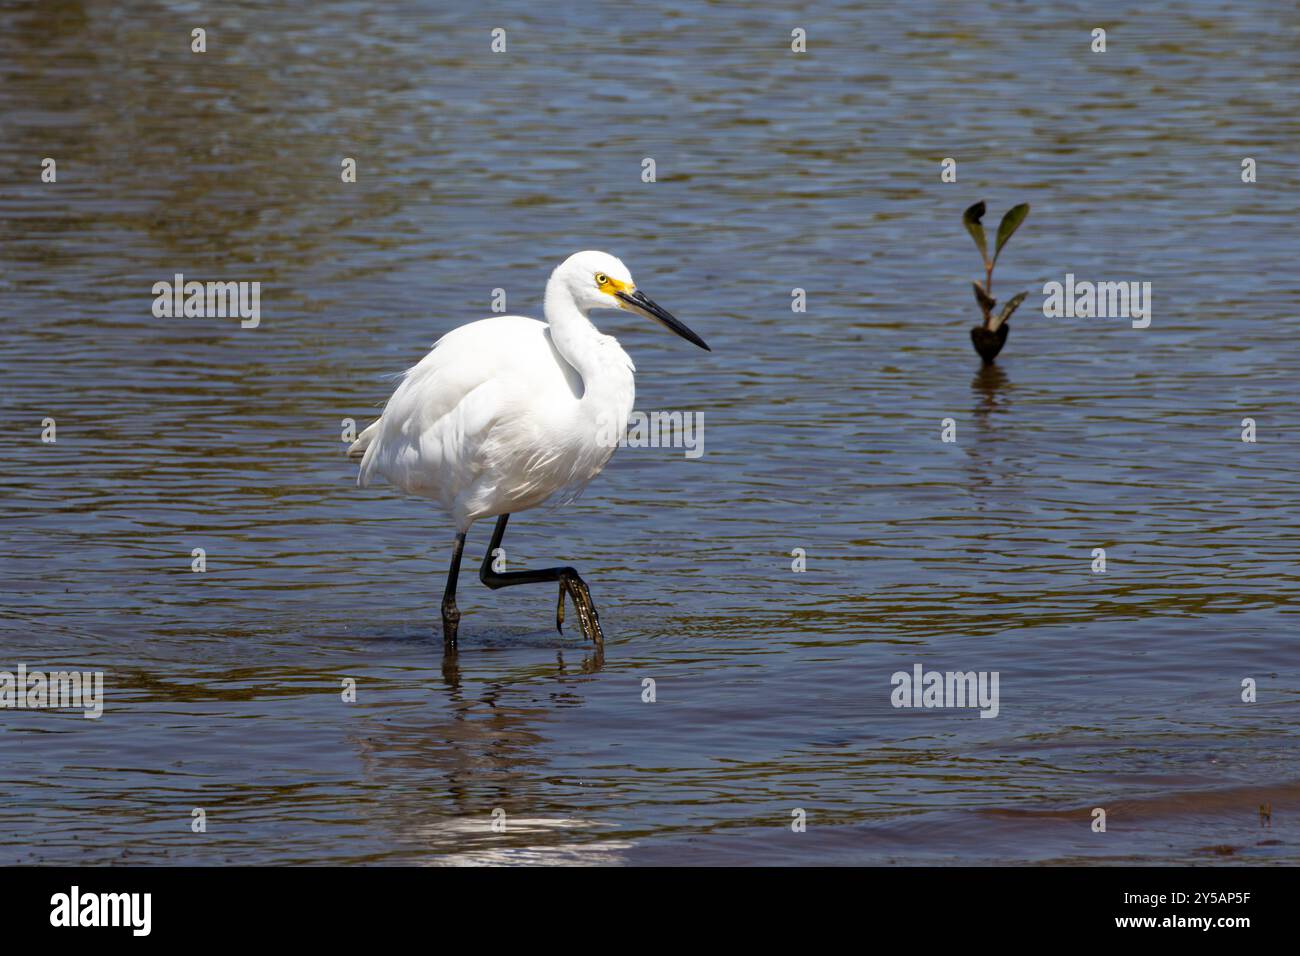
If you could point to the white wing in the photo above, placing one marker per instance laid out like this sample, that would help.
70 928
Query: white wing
484 423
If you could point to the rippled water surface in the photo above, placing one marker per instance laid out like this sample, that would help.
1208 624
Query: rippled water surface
819 171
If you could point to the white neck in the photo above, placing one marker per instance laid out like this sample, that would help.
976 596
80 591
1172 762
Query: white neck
608 387
575 338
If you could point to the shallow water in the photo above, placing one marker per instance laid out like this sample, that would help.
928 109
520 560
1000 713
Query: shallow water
1118 690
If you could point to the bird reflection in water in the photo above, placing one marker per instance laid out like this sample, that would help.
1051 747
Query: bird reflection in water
593 659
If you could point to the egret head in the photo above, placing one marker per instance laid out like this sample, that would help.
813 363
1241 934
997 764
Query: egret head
597 280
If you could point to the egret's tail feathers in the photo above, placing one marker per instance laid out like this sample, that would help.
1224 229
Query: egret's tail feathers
357 450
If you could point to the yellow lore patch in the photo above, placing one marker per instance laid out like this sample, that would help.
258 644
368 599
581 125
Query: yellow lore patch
610 286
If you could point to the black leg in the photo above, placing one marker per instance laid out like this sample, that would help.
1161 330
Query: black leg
571 584
451 613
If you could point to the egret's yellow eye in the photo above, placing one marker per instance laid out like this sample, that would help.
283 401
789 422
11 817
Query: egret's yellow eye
601 278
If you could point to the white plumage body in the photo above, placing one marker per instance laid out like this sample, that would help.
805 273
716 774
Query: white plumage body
507 412
495 420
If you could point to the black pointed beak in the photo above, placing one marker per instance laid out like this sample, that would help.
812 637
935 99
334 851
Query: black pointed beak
639 303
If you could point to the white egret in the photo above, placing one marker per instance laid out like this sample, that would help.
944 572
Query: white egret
506 412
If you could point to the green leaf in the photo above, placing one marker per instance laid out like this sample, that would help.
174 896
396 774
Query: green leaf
1007 309
971 220
986 302
1010 223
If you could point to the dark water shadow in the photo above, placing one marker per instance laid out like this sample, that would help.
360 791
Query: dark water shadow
991 388
986 466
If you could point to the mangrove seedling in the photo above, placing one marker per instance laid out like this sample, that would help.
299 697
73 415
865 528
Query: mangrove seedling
989 337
